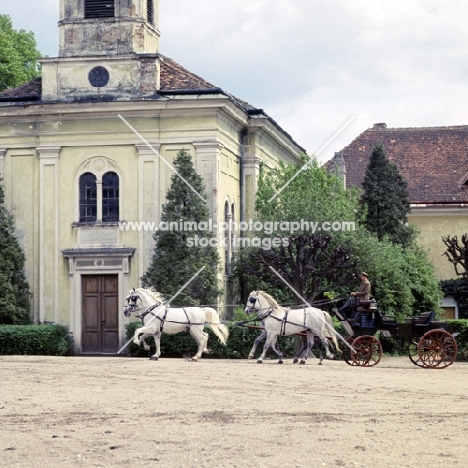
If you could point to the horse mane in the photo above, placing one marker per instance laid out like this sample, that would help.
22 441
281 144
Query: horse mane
269 299
157 296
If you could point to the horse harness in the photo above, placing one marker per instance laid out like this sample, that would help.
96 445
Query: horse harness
163 319
284 320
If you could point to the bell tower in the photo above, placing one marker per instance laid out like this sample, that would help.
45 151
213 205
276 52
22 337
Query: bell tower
108 50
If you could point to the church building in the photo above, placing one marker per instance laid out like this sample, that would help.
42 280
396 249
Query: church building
89 145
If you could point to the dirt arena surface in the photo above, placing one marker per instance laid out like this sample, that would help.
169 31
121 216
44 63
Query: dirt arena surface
121 412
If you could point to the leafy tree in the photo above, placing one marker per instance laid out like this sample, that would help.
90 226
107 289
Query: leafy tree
18 55
386 199
14 288
403 280
307 262
457 254
312 194
180 253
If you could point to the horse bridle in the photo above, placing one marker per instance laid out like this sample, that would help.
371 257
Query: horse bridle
252 300
131 303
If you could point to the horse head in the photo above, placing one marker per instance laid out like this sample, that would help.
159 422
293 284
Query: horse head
132 302
253 303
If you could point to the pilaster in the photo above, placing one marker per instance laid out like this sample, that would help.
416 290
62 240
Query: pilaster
149 202
48 232
208 155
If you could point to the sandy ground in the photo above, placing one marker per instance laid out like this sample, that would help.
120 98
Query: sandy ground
121 412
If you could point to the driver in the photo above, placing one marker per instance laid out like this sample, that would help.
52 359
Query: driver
363 292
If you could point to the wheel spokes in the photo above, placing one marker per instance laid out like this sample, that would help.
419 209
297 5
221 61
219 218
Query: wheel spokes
437 349
368 351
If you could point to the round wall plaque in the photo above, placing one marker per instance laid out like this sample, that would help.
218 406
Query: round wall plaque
98 77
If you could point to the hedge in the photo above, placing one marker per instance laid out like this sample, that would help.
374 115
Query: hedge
50 340
238 345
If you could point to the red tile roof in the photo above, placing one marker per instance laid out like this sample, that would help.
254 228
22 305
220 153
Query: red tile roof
433 160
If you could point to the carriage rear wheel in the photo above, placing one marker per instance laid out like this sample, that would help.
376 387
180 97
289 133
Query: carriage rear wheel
368 351
437 349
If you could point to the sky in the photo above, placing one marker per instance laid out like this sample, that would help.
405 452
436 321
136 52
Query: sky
325 70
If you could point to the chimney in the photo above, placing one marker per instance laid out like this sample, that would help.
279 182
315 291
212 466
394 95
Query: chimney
339 163
380 126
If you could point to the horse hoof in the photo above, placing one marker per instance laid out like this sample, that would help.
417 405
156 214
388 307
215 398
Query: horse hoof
194 359
295 361
302 363
280 361
319 363
154 358
259 361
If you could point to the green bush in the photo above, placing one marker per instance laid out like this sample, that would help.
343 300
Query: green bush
50 340
461 327
238 345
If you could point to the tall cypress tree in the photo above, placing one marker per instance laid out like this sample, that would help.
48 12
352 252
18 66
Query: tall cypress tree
14 288
180 253
387 200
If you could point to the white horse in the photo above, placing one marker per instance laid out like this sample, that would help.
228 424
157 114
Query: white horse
158 319
279 321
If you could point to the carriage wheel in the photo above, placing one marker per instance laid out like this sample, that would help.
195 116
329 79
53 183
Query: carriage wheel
368 351
437 349
347 352
413 353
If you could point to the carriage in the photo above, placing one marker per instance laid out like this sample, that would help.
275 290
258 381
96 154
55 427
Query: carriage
430 344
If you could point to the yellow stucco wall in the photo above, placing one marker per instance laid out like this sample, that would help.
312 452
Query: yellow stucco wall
432 227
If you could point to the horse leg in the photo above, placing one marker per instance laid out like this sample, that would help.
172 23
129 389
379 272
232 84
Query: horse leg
261 337
197 334
276 350
205 344
327 347
310 342
298 353
266 347
157 341
139 337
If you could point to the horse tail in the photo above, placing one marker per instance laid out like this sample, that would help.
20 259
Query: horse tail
219 329
331 330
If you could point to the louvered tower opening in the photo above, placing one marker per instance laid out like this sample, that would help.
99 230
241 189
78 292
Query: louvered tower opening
100 8
150 11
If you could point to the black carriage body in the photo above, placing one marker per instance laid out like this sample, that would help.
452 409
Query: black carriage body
372 321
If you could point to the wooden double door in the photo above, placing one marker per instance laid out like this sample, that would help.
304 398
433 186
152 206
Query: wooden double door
100 320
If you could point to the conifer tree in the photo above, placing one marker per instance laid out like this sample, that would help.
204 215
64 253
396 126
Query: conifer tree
14 288
386 199
180 253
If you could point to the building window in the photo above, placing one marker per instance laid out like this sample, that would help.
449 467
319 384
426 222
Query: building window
99 8
110 197
88 198
150 11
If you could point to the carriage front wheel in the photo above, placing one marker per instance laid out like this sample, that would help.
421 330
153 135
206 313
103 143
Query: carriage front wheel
437 349
367 351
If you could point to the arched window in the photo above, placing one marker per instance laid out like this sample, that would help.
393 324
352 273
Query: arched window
88 198
110 197
99 9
